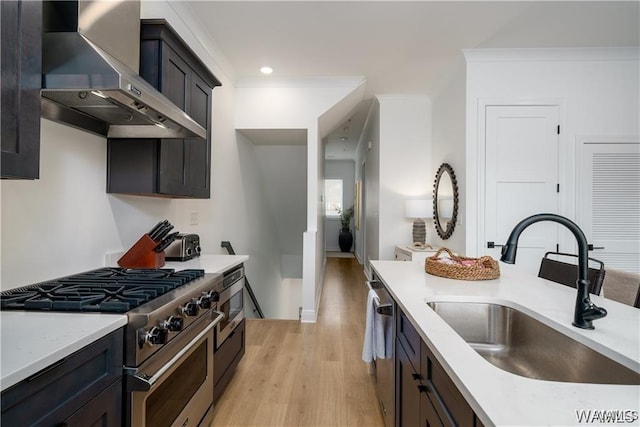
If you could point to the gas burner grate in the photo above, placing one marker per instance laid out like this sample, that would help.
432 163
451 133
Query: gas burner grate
112 290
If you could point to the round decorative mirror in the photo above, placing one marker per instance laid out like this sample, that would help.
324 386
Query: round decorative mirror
445 201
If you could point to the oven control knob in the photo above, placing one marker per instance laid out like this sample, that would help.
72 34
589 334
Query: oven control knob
204 302
189 251
156 336
191 308
215 296
208 298
198 249
174 323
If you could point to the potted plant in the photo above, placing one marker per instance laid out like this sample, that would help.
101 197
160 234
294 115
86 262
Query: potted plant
345 238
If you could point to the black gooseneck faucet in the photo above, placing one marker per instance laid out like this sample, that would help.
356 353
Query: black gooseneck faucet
585 310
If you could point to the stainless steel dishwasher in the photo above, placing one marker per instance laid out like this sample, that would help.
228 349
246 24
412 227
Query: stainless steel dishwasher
384 368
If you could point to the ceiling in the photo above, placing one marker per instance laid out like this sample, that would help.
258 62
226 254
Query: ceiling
398 47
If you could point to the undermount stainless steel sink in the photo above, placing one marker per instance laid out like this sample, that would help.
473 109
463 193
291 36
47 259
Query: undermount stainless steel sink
518 343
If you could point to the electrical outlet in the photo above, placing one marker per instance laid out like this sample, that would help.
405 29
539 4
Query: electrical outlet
194 218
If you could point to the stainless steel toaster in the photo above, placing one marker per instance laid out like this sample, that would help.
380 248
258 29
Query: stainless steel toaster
183 248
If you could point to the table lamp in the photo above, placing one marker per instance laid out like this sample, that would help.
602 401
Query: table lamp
418 210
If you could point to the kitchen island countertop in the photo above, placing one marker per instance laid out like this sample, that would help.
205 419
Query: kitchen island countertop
499 397
32 340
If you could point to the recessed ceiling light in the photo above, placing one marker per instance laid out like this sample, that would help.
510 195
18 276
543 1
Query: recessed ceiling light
266 70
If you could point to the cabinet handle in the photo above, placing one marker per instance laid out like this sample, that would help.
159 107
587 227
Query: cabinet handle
423 389
48 369
416 377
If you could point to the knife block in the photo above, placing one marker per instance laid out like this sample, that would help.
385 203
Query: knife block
142 255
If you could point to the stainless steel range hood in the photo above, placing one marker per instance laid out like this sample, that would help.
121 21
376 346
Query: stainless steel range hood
91 52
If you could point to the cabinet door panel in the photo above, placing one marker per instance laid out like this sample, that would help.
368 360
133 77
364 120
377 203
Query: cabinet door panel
198 151
450 405
407 393
103 411
172 167
21 59
200 102
173 157
409 338
175 78
428 413
197 172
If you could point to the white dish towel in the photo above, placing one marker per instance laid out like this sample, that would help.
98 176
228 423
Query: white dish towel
374 333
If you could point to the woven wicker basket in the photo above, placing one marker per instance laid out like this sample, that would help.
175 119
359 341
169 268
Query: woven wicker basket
483 268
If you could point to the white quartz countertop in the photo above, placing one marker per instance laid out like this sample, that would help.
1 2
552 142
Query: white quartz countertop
209 263
499 397
33 340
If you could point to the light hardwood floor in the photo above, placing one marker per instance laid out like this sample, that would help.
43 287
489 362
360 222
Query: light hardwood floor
307 374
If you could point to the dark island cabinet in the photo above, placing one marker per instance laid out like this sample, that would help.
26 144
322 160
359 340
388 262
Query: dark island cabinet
425 395
83 389
407 391
167 167
446 400
21 69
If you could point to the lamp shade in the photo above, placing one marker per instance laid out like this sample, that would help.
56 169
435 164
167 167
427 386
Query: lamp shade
418 208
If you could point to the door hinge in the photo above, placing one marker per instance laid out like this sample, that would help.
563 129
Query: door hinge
558 129
557 247
557 188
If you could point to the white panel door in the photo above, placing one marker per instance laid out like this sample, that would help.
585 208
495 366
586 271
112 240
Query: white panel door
609 201
521 178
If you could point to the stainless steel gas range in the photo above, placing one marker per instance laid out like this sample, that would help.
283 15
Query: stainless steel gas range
168 340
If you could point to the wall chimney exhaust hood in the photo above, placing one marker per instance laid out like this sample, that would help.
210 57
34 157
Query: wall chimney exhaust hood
91 56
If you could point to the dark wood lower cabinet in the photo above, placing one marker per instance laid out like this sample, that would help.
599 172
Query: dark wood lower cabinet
448 402
105 410
407 391
83 389
425 395
428 415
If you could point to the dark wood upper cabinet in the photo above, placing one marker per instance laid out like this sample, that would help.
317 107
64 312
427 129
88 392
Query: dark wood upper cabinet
167 167
21 46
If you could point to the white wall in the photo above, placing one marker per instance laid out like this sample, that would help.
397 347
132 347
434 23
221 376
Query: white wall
597 90
396 149
405 165
64 223
448 146
344 170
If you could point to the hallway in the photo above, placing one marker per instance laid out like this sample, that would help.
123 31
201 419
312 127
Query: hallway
305 374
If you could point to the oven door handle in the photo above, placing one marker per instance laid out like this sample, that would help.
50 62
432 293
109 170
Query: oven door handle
386 308
136 382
